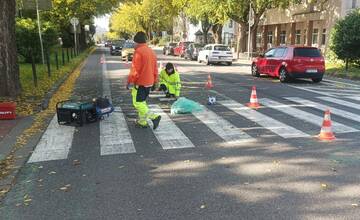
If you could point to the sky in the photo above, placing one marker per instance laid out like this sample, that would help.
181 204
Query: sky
102 22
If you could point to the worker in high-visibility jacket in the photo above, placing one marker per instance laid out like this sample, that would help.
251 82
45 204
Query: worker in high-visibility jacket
143 76
170 81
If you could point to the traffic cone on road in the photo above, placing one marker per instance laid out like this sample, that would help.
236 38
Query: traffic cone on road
127 64
102 59
326 133
209 84
254 103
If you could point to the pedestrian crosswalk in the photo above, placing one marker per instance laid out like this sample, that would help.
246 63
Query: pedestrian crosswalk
115 137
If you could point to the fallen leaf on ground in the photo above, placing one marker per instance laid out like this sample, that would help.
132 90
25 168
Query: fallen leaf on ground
28 181
84 175
186 161
18 204
40 180
52 172
76 162
40 167
120 167
27 200
324 185
65 188
203 206
355 205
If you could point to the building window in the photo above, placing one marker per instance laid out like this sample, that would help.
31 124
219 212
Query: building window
315 35
353 5
323 39
283 37
270 37
298 37
231 24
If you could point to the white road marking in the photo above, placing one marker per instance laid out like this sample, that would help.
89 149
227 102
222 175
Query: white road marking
342 113
337 82
168 134
222 127
305 116
55 143
265 121
115 137
314 91
341 102
353 98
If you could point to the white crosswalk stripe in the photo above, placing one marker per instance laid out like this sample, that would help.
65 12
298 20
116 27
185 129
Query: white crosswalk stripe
305 116
168 134
115 137
342 113
265 121
222 127
55 143
341 102
356 98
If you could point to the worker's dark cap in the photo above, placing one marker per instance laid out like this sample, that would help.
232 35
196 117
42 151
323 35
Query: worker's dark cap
169 66
140 37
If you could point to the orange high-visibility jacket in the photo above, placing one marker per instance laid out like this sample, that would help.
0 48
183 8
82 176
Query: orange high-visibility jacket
144 71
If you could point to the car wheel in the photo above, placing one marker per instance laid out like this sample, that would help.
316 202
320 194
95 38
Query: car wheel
198 59
207 62
254 71
229 63
283 75
316 80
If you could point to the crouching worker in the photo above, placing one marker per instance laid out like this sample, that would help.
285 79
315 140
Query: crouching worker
143 75
170 81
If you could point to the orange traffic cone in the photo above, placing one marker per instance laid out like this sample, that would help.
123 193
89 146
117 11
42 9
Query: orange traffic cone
209 84
326 133
127 65
254 103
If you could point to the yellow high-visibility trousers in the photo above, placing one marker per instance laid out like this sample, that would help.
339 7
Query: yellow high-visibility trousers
139 102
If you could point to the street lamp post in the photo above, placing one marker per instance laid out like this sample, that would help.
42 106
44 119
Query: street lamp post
251 23
39 28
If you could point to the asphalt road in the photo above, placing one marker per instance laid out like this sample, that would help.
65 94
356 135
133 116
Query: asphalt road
228 162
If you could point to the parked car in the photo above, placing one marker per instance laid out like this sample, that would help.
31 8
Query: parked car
290 62
107 43
116 47
192 51
128 50
169 48
215 53
179 50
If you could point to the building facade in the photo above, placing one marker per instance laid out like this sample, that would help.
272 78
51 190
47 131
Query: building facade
302 24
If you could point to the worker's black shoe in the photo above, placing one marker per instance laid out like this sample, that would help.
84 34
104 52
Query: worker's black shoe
156 122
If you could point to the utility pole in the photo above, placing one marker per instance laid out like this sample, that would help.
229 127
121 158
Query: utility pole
39 27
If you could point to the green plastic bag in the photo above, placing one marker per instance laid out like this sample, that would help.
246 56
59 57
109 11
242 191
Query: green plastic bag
185 106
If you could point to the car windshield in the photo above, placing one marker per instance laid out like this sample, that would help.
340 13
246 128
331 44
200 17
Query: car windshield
306 52
129 45
187 44
222 48
118 43
198 45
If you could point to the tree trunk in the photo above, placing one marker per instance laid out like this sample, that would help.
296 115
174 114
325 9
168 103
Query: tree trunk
242 37
253 37
9 68
205 27
217 31
347 64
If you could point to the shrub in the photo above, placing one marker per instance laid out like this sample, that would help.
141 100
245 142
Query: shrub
27 38
345 41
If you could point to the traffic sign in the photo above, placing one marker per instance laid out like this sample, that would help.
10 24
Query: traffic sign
74 21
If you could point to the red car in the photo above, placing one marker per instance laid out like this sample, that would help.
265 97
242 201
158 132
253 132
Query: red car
179 50
290 62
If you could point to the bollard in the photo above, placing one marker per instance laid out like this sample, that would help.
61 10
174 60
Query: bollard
48 63
33 69
57 60
63 56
